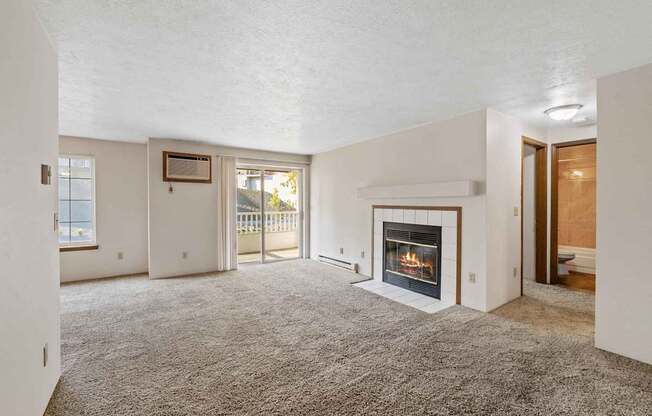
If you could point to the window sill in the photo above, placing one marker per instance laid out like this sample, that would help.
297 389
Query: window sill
78 248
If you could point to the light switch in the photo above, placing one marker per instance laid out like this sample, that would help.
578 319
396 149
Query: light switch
516 211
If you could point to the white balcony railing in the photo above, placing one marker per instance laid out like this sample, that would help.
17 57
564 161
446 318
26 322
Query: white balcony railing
275 221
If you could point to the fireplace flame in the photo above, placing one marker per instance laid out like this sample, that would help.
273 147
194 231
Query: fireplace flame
410 260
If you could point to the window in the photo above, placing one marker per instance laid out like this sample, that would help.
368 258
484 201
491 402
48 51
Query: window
76 200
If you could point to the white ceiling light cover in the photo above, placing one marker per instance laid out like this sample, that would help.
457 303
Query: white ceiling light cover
563 112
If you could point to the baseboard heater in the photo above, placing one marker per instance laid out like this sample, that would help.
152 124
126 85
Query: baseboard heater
338 263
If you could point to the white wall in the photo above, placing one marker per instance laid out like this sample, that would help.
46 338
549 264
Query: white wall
442 151
529 213
504 142
120 210
624 224
567 134
29 257
186 220
484 146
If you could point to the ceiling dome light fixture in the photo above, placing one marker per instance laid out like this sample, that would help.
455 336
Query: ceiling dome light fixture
563 112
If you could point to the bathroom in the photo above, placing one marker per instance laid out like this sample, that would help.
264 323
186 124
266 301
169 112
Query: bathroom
559 214
575 197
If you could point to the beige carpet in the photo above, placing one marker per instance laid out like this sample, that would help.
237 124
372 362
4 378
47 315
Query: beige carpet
295 338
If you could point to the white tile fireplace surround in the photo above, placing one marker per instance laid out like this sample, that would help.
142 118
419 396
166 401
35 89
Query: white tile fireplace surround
449 219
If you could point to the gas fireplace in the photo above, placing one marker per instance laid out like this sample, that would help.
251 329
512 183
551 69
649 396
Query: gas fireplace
412 257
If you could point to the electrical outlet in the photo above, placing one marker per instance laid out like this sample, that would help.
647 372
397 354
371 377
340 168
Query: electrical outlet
362 254
515 271
45 355
472 277
341 250
120 255
184 254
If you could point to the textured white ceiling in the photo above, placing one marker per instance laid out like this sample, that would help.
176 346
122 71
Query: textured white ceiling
305 76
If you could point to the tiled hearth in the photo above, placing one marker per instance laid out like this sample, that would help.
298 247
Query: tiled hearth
404 296
447 218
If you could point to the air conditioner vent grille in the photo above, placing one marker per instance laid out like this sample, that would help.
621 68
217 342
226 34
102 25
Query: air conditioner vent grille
182 167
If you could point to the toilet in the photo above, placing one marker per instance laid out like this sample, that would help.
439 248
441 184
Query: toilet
562 259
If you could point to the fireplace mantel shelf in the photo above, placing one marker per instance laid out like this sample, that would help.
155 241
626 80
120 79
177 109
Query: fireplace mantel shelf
422 190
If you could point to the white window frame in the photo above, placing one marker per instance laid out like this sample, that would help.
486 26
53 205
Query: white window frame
93 202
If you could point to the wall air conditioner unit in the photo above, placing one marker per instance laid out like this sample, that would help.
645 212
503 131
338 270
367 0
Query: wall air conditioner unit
186 167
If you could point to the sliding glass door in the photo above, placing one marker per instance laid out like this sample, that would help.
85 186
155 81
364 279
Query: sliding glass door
269 219
281 225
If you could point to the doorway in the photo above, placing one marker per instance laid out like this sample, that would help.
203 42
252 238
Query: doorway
573 214
534 210
269 214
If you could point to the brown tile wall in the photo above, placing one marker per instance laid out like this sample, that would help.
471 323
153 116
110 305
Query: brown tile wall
576 197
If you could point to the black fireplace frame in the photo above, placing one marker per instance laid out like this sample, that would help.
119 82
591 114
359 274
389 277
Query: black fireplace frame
409 283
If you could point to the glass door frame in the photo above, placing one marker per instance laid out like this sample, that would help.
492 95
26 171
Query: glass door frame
262 169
